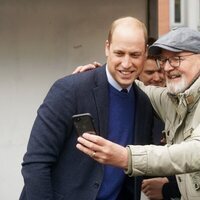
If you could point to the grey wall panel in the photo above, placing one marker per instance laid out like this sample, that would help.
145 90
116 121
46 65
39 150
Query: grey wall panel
40 41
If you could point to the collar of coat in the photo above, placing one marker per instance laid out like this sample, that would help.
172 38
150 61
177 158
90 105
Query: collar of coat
189 96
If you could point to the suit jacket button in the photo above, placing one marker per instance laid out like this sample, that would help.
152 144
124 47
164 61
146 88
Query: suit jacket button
96 185
196 186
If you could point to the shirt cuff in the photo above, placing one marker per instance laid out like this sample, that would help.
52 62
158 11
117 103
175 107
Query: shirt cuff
129 170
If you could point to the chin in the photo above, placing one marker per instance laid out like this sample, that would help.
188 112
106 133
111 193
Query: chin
178 87
127 82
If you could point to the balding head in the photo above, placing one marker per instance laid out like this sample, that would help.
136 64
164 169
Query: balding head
127 22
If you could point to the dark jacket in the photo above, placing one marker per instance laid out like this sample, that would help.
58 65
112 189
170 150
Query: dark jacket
53 168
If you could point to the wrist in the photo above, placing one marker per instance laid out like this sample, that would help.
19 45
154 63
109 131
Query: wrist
125 159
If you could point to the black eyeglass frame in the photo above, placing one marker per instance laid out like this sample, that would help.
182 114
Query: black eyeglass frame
177 59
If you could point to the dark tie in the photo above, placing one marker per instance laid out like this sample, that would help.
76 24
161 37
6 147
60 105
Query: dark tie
124 90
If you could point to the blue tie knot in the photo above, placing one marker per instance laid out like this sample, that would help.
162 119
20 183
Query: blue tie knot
124 90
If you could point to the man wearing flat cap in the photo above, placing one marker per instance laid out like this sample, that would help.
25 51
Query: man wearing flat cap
178 105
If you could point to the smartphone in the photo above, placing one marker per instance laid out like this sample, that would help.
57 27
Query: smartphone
84 123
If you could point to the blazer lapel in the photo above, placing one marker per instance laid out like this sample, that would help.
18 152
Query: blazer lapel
139 113
101 99
143 118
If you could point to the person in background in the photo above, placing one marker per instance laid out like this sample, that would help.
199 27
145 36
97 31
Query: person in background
52 166
151 74
178 105
157 188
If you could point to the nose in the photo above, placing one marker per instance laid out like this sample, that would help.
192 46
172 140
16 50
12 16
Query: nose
126 63
156 77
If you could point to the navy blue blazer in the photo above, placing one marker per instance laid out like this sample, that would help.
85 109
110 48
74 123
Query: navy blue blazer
52 167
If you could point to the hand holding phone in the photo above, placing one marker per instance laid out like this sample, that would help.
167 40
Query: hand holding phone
84 123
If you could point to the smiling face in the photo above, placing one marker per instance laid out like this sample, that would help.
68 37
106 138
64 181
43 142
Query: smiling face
151 74
180 78
126 53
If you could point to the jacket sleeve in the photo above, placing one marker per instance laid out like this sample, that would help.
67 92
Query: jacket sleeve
165 160
158 98
47 138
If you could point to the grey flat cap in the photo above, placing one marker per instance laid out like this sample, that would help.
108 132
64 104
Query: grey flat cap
180 39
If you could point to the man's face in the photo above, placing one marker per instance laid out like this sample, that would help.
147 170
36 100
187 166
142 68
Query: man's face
151 74
126 55
178 79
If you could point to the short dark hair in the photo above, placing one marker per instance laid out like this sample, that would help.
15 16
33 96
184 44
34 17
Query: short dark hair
150 41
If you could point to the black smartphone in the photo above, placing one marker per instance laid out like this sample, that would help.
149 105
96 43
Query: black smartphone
84 123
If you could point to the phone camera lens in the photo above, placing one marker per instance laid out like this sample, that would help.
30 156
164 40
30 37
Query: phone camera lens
78 119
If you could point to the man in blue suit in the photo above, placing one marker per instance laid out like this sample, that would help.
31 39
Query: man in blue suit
53 168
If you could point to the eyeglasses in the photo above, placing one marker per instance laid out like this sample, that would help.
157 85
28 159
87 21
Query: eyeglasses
174 61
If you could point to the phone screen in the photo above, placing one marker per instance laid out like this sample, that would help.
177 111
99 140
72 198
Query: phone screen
84 123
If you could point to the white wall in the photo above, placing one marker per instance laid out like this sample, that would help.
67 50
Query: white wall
40 41
190 14
193 14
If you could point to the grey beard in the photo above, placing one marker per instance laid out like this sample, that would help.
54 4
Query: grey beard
177 88
181 86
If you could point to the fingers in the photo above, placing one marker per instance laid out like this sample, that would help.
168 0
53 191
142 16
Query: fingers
87 67
95 139
87 144
77 70
152 188
144 186
103 151
85 150
146 189
96 64
91 142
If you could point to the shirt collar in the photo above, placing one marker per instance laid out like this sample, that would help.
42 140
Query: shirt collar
113 82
